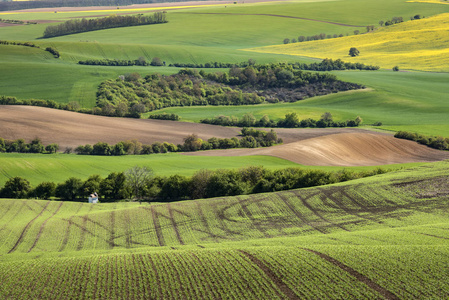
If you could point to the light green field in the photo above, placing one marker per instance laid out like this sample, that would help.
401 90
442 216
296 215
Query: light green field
384 235
38 168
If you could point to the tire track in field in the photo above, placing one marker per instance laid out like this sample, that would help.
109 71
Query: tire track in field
16 214
7 210
157 227
329 194
279 16
203 219
112 230
315 211
299 214
27 227
360 277
43 226
69 225
252 219
270 274
173 222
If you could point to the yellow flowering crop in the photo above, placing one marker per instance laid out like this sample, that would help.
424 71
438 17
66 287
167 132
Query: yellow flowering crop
417 45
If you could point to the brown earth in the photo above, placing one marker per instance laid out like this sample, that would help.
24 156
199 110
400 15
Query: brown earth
326 146
344 149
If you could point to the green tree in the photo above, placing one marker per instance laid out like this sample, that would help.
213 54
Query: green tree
16 187
137 178
91 185
44 190
114 187
396 68
286 40
192 143
354 52
156 62
71 189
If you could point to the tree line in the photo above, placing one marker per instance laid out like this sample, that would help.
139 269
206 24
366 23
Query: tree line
291 120
334 65
20 146
112 21
251 138
141 61
140 183
436 142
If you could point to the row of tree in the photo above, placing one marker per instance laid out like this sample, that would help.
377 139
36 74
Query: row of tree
316 37
291 120
139 183
436 142
141 61
333 65
251 139
112 21
20 146
165 116
394 20
215 64
9 21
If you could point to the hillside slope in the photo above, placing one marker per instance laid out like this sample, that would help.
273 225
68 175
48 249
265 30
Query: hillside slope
416 45
380 237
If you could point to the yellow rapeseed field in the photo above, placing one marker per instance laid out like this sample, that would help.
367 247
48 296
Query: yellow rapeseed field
430 1
416 45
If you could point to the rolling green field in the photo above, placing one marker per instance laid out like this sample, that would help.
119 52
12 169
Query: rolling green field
38 168
379 237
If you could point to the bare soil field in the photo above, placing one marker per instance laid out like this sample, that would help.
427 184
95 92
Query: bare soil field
326 146
361 148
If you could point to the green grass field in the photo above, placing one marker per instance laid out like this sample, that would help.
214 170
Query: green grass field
38 168
384 236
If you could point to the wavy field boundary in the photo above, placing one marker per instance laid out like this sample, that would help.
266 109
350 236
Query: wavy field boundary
415 45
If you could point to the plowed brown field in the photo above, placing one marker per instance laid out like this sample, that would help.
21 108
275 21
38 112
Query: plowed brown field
329 146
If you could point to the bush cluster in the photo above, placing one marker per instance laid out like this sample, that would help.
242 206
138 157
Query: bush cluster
20 146
316 37
203 184
112 21
165 116
436 142
331 65
291 120
26 44
251 138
